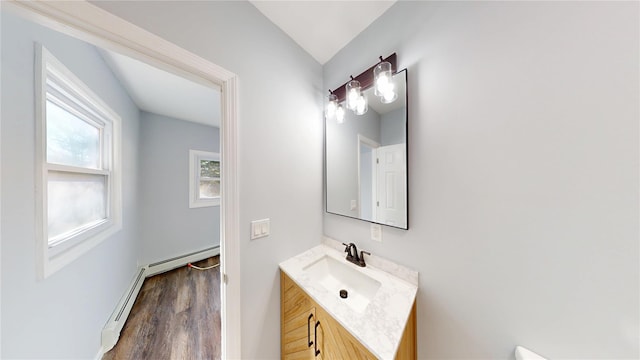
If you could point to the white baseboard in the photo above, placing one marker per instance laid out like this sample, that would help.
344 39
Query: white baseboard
111 331
170 264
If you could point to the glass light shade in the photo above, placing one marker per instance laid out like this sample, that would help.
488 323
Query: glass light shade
332 106
339 114
390 94
361 105
353 94
382 77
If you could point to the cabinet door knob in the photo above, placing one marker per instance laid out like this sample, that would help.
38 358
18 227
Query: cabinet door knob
315 338
309 330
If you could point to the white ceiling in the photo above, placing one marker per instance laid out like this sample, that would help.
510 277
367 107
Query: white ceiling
322 28
160 92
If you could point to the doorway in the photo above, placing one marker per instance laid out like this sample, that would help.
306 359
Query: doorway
112 33
381 182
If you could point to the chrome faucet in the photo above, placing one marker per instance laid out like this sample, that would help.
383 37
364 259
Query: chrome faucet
352 254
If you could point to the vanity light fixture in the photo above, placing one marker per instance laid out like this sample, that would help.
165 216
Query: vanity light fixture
383 82
361 105
380 76
354 92
339 114
390 94
332 106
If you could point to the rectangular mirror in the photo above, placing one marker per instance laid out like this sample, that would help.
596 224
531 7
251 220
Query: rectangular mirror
366 161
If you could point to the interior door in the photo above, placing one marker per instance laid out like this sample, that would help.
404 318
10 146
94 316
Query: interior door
392 185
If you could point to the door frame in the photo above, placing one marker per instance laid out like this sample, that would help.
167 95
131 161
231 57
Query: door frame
109 31
363 140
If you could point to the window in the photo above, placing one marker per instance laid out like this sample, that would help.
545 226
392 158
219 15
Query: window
204 178
78 154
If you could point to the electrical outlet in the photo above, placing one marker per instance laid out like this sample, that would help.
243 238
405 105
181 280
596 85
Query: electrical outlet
260 228
376 232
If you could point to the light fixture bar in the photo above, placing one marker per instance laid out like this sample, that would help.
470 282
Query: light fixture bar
366 78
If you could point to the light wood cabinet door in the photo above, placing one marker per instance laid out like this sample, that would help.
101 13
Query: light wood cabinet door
335 342
298 318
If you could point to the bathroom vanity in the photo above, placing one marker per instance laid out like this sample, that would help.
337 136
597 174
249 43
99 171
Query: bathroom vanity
333 309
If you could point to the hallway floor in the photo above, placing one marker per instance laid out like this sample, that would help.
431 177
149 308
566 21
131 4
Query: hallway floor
176 316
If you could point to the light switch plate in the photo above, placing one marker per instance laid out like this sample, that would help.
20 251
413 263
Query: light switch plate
260 228
376 232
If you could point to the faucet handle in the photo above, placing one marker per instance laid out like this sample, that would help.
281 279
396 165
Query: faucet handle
361 262
346 248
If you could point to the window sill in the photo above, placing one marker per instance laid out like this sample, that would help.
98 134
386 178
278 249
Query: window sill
56 257
204 203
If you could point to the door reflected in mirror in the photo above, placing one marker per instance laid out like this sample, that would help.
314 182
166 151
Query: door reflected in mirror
366 161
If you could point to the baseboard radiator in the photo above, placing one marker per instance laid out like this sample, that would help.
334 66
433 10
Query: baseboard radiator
111 331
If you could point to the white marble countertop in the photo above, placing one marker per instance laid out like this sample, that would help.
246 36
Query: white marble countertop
381 325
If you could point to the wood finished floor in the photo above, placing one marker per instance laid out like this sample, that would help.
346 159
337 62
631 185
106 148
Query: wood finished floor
176 316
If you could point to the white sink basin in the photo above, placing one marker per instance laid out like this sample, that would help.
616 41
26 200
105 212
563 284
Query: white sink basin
334 276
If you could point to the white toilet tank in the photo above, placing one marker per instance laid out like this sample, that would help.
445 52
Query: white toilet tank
526 354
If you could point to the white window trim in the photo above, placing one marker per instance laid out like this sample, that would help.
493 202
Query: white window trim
53 258
194 178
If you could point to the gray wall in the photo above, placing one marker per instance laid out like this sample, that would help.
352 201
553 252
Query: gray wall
342 158
523 174
63 315
168 226
392 127
280 140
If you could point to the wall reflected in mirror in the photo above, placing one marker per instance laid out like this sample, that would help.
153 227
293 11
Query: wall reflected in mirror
366 161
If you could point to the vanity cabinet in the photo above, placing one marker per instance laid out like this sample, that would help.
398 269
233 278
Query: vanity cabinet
304 322
298 318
